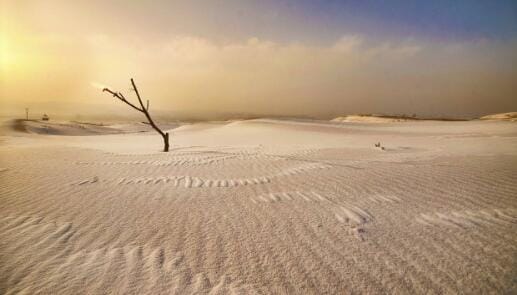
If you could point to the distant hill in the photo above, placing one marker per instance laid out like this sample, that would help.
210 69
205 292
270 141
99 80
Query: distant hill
512 116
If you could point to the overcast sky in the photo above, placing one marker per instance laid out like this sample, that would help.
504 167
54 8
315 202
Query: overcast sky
313 58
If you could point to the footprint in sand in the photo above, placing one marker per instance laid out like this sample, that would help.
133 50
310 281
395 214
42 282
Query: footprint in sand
354 218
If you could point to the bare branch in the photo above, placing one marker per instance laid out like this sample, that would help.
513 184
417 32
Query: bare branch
137 93
122 98
142 109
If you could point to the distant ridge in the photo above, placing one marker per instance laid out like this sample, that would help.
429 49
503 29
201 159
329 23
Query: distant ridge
511 116
374 118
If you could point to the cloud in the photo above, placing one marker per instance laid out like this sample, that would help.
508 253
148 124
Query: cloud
353 74
348 43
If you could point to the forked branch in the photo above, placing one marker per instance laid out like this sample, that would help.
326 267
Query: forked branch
142 109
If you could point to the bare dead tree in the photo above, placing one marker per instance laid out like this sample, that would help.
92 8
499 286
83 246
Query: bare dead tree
142 109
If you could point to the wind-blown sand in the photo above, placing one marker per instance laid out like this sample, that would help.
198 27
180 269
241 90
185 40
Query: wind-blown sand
260 206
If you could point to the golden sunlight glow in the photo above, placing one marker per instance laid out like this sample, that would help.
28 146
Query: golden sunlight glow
18 56
7 57
98 85
54 56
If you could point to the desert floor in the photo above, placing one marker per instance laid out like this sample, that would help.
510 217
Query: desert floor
259 207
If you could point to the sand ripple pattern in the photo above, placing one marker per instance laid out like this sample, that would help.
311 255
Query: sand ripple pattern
385 199
129 269
179 161
468 218
197 182
310 196
354 218
223 220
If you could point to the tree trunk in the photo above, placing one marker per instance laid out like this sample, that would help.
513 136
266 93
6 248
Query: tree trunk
166 142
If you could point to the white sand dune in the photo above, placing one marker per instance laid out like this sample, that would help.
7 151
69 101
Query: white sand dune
260 207
56 128
372 119
512 116
74 128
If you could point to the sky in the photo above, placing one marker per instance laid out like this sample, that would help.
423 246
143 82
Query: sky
225 59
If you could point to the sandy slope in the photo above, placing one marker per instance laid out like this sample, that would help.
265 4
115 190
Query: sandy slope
512 116
372 119
8 127
262 206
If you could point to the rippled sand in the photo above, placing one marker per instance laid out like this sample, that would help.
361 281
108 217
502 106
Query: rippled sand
261 206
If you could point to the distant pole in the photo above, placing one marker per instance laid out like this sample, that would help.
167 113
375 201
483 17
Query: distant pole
27 113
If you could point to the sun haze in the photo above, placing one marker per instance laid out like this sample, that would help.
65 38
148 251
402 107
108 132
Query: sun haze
285 58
